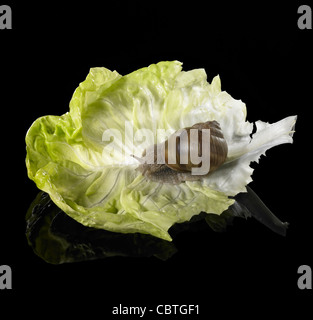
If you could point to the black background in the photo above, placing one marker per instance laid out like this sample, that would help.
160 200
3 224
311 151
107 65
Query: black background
262 58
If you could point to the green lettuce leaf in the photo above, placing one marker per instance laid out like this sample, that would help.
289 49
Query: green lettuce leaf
83 158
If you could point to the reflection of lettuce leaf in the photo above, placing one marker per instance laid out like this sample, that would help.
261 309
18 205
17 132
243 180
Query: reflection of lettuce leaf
57 238
68 158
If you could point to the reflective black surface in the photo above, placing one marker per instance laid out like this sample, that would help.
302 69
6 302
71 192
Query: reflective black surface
57 238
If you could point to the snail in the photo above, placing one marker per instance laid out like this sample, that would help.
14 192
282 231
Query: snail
189 154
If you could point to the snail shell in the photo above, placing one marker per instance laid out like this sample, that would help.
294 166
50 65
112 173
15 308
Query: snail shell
218 148
178 171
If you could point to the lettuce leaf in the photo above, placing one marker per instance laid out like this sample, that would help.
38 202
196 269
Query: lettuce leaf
83 159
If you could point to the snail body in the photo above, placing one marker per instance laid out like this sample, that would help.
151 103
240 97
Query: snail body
189 154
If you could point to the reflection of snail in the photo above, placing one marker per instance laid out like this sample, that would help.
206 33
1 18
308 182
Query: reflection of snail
157 163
